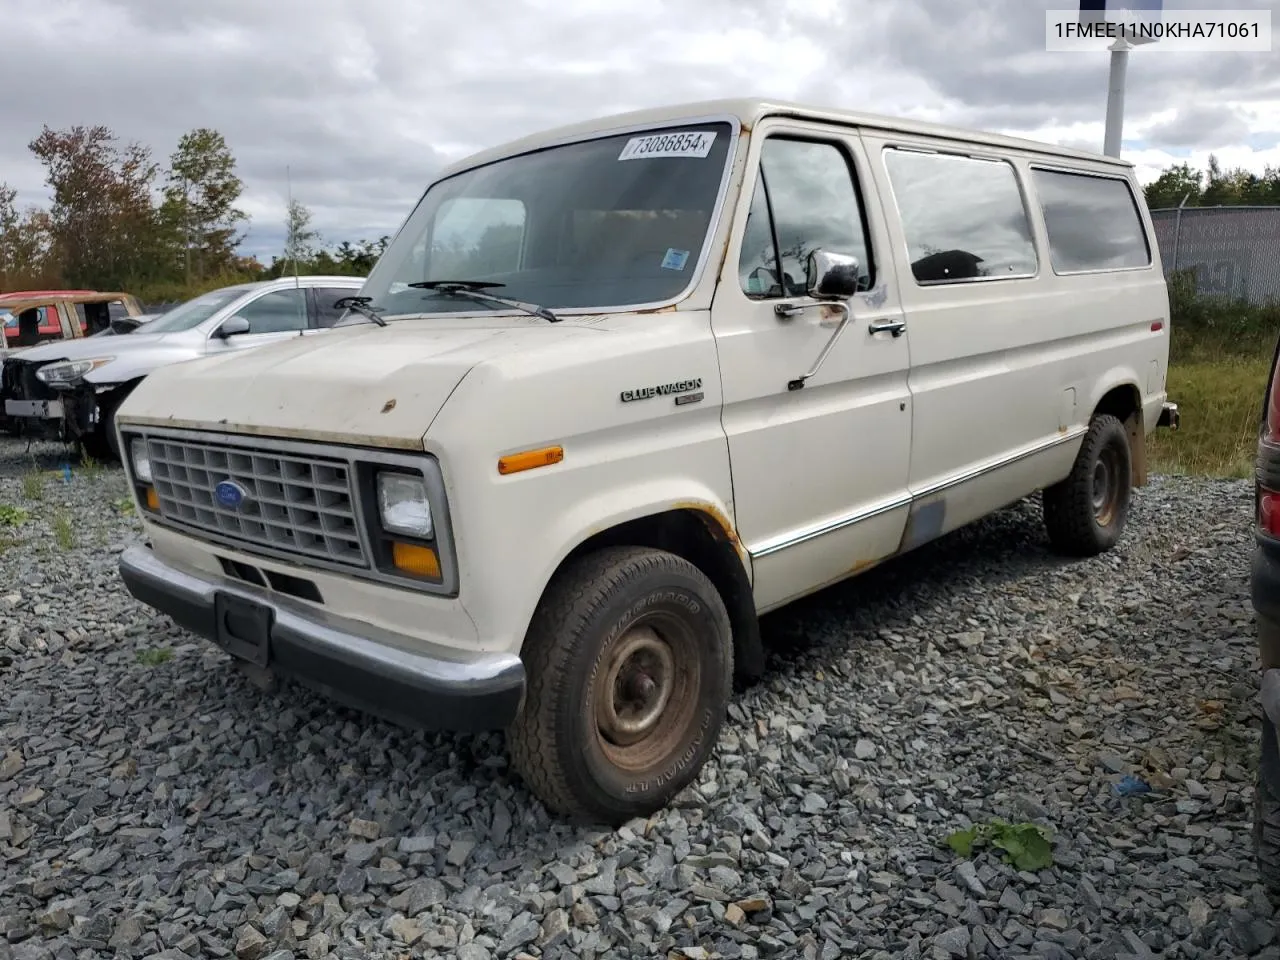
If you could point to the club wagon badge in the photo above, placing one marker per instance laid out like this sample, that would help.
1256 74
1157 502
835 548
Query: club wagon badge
230 494
685 391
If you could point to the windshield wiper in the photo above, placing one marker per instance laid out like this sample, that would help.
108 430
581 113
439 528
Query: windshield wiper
475 289
361 306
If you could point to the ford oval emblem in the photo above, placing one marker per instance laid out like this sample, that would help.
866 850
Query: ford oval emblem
230 494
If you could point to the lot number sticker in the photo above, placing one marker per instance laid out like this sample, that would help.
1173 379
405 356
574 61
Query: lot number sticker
695 144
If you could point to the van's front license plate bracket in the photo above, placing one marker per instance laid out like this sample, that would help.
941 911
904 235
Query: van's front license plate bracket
243 628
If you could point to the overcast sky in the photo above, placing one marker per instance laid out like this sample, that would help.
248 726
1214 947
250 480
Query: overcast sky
364 99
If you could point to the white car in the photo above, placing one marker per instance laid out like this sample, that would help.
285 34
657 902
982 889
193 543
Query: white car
627 385
70 389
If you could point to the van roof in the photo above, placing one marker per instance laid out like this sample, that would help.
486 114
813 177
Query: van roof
751 111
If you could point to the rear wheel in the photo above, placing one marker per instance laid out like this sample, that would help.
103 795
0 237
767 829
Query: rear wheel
630 665
1086 513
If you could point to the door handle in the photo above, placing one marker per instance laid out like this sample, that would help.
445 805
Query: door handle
895 326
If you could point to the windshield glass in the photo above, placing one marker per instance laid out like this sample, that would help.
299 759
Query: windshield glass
612 222
194 312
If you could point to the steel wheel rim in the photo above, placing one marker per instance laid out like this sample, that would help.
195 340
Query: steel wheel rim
1105 493
645 692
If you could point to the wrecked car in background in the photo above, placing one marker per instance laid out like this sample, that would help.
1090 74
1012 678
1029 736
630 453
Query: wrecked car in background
31 318
70 390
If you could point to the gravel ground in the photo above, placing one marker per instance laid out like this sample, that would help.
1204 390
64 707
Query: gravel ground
154 803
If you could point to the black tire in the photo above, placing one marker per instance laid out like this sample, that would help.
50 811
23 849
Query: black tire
605 622
1266 836
1085 514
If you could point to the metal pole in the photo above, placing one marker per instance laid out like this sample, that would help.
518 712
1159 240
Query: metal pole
1115 97
1177 230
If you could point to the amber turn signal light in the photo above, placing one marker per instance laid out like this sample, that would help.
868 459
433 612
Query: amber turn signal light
416 560
530 460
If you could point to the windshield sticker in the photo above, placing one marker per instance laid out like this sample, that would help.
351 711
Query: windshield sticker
696 144
675 259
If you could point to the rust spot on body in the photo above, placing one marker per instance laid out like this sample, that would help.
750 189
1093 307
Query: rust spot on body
721 526
389 405
861 565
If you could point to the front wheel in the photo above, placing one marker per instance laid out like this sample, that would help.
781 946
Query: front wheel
103 444
1085 513
629 661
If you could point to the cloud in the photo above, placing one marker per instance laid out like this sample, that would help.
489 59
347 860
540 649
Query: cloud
1202 126
363 102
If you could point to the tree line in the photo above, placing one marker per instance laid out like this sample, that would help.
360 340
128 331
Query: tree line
1213 187
120 220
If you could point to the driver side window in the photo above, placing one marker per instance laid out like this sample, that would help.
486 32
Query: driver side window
805 198
276 312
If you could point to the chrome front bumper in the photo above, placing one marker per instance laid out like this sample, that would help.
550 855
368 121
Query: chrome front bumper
356 663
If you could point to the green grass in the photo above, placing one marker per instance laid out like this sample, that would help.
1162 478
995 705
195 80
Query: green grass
63 532
154 657
91 468
1220 355
11 516
33 484
1220 401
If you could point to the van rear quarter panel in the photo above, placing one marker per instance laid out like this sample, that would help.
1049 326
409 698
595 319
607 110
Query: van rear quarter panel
1116 323
1006 365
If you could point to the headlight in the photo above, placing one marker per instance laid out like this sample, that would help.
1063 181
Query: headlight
140 459
69 371
403 506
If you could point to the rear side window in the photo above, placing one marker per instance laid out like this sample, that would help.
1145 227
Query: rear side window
964 218
1093 222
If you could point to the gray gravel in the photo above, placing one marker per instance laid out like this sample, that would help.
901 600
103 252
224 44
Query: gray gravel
154 803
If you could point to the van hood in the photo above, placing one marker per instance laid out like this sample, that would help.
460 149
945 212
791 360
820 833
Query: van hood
366 385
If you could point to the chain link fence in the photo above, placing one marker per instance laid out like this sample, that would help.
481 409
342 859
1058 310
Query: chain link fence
1231 251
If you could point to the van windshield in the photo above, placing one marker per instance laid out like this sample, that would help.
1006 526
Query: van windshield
618 221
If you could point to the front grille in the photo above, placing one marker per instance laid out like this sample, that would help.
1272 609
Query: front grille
294 503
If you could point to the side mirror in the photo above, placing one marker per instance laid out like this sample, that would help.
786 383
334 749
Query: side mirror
233 326
832 276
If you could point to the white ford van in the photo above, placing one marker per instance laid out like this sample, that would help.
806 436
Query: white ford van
615 390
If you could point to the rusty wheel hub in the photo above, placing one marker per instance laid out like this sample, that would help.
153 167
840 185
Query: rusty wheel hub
1106 493
635 688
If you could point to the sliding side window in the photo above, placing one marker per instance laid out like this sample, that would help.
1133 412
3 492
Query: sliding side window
964 217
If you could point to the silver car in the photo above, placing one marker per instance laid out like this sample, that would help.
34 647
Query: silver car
69 390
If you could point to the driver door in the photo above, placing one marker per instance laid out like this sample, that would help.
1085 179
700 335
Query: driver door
820 472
